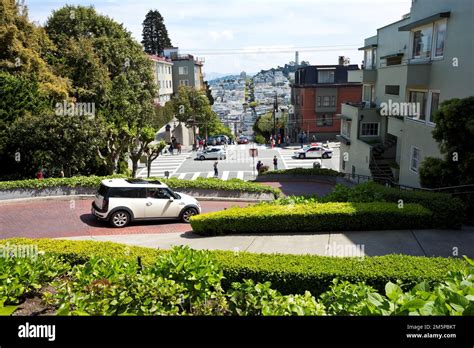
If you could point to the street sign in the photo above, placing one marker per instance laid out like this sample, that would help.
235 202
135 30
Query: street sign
253 153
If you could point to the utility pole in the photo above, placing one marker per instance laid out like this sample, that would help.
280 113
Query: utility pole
275 109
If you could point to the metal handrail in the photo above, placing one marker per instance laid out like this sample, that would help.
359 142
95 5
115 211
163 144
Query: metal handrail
410 188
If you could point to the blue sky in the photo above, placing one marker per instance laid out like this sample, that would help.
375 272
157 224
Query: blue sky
250 35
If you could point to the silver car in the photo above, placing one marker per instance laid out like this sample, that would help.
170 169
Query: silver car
218 153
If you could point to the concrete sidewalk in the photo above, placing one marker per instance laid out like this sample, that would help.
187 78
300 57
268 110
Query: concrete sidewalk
443 243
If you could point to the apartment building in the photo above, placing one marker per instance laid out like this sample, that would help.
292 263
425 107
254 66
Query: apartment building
316 97
163 75
187 69
410 67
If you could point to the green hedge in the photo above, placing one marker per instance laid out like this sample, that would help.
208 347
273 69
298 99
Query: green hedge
91 181
447 211
304 171
312 218
287 273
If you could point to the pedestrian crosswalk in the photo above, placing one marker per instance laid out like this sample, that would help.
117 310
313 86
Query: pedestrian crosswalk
223 175
165 163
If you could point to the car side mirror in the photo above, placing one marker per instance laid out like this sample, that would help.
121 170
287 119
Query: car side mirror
171 199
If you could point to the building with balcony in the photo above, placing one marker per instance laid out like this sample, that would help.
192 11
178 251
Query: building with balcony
410 67
187 69
163 76
317 95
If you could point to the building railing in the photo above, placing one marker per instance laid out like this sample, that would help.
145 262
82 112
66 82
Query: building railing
452 190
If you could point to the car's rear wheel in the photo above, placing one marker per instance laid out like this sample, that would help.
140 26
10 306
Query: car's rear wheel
202 158
302 156
187 214
120 219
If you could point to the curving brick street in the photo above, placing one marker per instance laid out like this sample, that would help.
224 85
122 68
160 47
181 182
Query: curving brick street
65 218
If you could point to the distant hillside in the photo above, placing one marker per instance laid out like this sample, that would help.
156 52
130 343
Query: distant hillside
286 69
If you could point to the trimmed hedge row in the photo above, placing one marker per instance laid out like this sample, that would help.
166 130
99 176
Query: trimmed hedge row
287 273
447 211
304 171
312 218
92 181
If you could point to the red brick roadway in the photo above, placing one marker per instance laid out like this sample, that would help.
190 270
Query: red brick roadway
65 218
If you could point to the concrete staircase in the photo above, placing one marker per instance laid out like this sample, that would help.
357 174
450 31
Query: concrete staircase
380 164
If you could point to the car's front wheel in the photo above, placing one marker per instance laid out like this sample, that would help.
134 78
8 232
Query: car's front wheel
120 219
302 156
325 155
187 214
202 158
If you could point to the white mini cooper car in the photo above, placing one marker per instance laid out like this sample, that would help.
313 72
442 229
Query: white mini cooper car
121 201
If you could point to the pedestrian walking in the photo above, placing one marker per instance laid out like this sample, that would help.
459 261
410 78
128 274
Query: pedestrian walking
259 166
313 138
39 175
216 170
275 163
287 140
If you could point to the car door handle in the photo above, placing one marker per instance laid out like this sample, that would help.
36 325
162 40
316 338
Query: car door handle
148 204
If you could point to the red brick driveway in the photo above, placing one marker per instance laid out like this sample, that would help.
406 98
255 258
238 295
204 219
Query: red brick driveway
64 218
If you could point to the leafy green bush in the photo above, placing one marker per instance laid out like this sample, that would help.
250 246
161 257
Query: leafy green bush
217 184
107 286
259 139
196 270
20 276
174 183
289 274
248 298
446 210
305 171
453 296
312 218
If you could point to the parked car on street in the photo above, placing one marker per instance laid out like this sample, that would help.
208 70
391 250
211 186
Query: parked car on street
121 201
218 140
313 152
243 140
215 152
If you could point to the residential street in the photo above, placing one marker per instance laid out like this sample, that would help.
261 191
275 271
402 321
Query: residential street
238 165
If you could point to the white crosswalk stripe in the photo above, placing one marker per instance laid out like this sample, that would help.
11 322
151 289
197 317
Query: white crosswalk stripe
166 163
223 175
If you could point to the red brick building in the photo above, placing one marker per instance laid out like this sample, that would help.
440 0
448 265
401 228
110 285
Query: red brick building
317 95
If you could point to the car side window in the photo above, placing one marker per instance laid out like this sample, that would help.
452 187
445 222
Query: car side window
159 193
126 192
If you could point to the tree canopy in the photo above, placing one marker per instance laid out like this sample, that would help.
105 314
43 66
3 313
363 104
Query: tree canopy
454 131
155 35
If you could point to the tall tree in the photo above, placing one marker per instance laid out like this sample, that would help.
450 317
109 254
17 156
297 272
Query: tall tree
108 68
155 35
209 93
454 131
24 48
